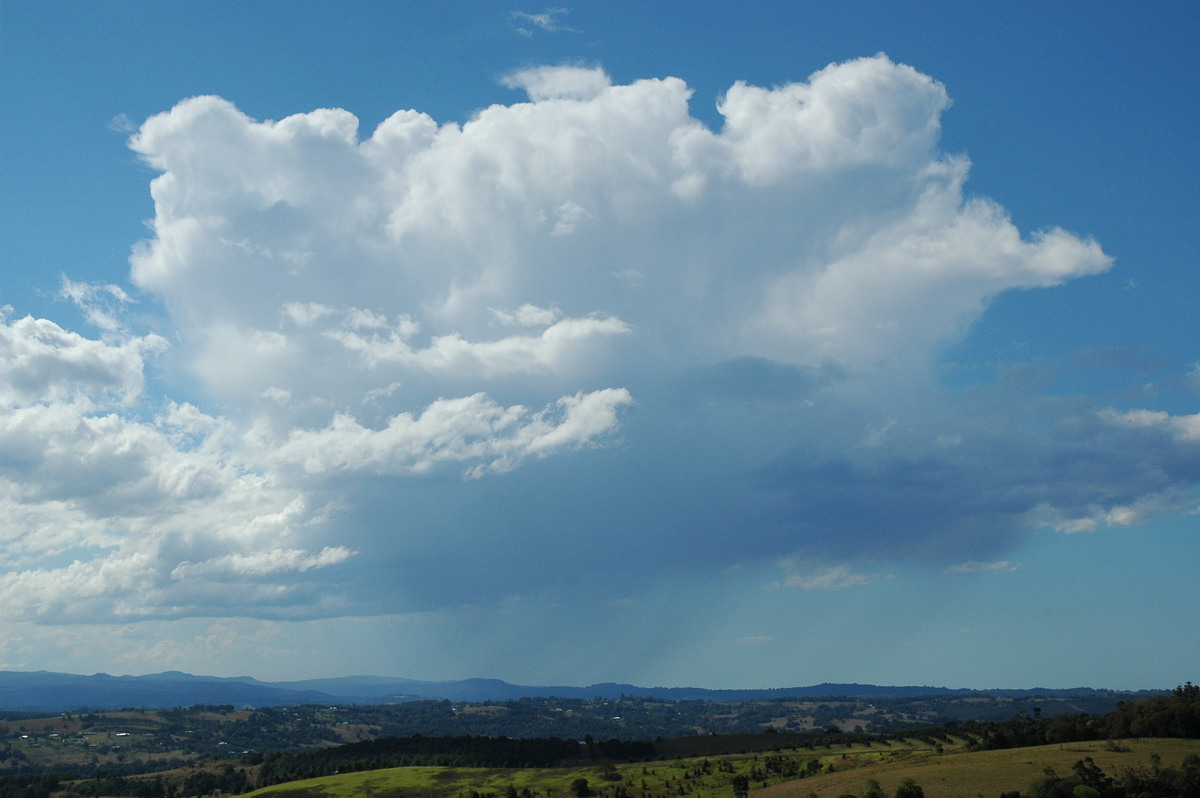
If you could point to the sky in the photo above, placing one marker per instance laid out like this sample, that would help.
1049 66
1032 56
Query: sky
671 344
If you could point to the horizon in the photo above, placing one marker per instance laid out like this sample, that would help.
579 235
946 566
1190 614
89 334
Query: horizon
704 688
606 343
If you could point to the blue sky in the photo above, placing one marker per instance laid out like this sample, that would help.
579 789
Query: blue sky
675 344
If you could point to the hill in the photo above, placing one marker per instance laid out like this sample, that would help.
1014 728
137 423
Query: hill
823 772
205 750
48 691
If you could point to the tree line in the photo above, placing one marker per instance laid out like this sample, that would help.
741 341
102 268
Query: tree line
1173 715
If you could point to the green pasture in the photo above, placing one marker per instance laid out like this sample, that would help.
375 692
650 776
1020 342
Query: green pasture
962 774
703 776
951 773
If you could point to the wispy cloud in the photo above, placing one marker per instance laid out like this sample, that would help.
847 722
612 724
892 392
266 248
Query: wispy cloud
975 567
121 123
548 20
836 577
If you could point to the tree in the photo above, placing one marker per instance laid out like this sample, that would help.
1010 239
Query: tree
580 788
741 786
909 789
1090 775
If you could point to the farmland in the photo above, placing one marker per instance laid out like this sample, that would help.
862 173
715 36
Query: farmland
793 749
950 772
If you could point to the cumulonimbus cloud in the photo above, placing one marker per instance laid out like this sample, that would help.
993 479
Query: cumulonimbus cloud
474 298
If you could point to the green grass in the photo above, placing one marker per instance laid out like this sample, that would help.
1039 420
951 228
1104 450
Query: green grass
661 779
703 775
428 782
955 773
959 774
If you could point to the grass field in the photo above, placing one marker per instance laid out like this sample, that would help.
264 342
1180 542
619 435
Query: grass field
949 774
987 773
696 777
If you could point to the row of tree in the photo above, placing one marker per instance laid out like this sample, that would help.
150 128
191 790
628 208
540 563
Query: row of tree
1087 780
1173 715
387 752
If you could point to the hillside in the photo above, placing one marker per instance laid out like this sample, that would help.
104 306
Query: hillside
788 773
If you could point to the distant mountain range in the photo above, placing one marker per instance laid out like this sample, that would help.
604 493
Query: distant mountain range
62 692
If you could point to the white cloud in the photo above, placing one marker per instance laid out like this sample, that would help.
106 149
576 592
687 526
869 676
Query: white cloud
559 83
473 428
126 503
304 314
147 565
103 495
834 577
102 305
41 362
549 20
263 562
121 123
914 283
866 111
567 217
528 316
561 343
540 204
1185 428
1170 500
368 311
975 566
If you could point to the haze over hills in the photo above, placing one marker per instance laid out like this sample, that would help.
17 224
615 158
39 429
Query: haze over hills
51 691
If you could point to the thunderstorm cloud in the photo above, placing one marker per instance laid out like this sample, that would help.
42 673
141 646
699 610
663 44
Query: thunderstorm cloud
585 325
